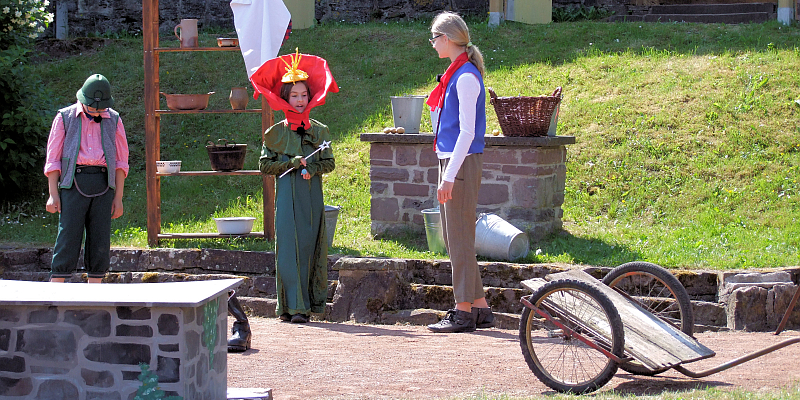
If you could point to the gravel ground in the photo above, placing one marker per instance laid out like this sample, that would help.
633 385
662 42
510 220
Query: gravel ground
321 360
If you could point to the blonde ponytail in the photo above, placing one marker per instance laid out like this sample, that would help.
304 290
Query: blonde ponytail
455 28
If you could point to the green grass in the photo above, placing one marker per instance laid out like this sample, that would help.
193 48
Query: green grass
687 148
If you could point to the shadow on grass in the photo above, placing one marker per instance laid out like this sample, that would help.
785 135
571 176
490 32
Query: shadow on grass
581 250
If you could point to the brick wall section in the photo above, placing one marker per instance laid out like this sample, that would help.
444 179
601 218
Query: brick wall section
523 181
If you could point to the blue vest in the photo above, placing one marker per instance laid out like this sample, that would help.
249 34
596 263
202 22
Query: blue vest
449 126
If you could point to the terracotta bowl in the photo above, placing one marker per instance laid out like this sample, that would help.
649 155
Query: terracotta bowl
227 42
187 101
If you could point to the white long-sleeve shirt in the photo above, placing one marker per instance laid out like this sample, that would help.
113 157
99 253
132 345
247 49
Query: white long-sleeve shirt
469 88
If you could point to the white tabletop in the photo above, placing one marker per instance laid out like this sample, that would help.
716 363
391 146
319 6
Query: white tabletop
167 294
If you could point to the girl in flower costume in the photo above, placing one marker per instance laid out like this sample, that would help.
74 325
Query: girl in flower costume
296 83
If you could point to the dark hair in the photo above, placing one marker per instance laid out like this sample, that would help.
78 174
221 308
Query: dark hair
286 90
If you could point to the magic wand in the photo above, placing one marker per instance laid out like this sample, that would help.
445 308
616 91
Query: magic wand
326 144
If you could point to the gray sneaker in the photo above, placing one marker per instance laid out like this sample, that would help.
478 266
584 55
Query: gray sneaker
455 321
483 317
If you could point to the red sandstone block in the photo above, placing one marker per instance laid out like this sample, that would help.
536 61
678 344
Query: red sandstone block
405 155
388 174
518 170
433 176
427 158
533 192
545 156
410 189
492 194
386 209
379 151
492 155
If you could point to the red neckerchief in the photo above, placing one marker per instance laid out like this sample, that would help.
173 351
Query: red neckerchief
436 98
296 119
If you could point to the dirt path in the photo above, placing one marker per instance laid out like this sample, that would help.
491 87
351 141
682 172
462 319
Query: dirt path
352 361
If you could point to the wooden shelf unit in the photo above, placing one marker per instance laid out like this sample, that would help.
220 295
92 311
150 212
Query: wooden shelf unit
152 129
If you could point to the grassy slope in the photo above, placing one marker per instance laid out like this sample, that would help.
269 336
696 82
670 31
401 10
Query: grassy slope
686 149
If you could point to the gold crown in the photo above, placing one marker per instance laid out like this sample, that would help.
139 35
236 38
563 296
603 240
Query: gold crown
293 74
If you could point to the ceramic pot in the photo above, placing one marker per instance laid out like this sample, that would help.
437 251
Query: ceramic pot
188 35
187 101
239 98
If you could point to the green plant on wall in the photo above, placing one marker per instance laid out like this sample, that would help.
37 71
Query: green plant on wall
579 13
209 311
149 389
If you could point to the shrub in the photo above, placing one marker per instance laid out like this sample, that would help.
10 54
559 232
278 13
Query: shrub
24 101
578 13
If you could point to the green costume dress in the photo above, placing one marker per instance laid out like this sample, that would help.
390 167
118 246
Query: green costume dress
301 246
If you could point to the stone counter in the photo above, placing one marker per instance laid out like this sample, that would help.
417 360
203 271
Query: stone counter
523 181
81 341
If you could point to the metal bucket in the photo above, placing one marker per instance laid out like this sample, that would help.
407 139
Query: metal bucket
407 112
331 216
497 239
433 230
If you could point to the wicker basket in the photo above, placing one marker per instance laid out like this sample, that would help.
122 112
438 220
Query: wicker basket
525 116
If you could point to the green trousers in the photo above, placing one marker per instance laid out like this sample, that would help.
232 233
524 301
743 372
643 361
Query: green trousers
84 215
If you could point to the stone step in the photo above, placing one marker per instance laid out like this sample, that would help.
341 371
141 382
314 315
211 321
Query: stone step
700 9
265 308
369 289
733 18
737 13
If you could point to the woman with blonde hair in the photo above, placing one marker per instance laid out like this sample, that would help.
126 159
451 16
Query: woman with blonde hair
458 114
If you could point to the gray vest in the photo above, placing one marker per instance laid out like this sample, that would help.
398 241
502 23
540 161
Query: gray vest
72 143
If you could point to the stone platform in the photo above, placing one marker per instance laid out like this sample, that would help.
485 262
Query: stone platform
81 341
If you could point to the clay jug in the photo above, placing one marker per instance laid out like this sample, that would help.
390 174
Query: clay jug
239 98
188 35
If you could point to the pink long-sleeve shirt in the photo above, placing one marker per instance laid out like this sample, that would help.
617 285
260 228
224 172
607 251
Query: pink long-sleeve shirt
91 149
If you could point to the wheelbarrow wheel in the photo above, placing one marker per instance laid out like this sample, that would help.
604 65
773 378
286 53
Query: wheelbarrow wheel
556 355
657 291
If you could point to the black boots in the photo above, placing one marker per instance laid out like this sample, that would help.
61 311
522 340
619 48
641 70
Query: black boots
455 321
461 321
240 338
483 317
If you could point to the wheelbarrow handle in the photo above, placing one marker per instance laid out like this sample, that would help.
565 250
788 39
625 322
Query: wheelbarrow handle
737 361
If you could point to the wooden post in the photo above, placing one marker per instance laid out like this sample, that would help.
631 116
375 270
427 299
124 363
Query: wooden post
62 20
152 140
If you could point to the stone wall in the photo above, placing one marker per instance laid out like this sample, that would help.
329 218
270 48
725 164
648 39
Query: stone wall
94 353
382 290
523 181
114 16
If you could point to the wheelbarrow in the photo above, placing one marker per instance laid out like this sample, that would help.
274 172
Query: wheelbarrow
576 331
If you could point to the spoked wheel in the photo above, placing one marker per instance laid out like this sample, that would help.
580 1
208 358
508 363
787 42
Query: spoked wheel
658 291
556 355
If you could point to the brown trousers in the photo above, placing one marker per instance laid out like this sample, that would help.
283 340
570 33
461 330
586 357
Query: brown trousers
458 225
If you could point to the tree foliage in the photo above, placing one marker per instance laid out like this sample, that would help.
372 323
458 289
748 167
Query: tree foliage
24 100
